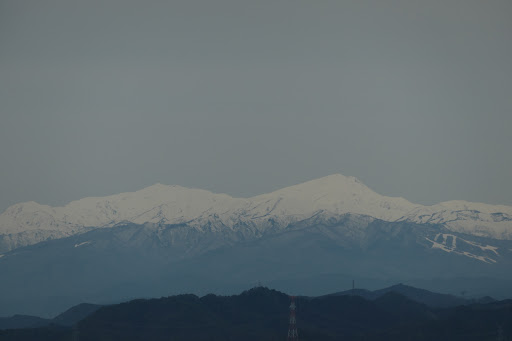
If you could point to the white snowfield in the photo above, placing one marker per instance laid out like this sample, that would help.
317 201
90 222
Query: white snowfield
448 243
334 195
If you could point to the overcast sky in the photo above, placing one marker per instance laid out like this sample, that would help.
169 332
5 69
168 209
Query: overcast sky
414 98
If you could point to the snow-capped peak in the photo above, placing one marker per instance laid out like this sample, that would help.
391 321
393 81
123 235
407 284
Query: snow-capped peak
333 195
336 194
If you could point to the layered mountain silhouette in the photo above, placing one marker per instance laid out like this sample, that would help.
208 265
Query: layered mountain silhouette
312 239
429 298
262 314
66 319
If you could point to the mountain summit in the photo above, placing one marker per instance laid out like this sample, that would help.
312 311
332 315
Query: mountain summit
168 239
331 196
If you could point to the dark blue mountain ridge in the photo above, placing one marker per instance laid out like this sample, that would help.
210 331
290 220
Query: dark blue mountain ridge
262 314
153 260
429 298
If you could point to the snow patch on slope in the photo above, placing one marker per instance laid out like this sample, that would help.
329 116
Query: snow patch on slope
82 244
448 243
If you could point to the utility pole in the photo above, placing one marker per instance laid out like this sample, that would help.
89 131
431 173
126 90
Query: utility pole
292 329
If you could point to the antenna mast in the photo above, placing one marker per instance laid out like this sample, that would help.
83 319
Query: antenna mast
292 329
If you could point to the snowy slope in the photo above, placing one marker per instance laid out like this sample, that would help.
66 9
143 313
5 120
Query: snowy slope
29 223
492 221
335 194
157 203
332 196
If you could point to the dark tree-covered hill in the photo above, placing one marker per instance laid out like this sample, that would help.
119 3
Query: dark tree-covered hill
262 314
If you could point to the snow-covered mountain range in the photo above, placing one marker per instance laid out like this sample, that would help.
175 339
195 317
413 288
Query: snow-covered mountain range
329 197
164 240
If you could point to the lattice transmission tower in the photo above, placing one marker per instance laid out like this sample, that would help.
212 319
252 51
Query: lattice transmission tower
292 329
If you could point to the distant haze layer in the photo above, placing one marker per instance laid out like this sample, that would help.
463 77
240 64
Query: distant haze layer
245 97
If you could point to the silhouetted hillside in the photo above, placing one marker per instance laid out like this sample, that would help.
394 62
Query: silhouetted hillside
429 298
262 314
75 314
257 314
22 321
66 319
477 322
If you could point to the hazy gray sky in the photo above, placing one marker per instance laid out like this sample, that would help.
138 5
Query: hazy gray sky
243 97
